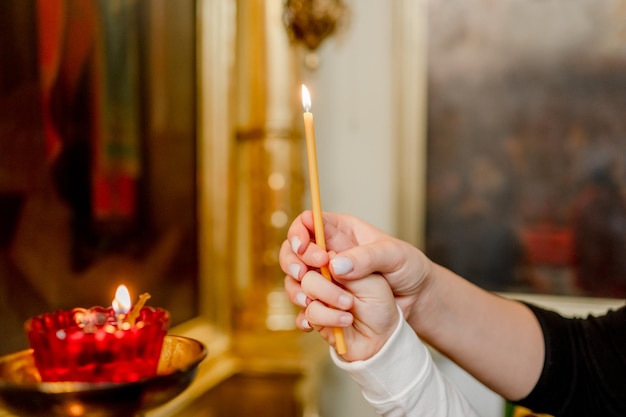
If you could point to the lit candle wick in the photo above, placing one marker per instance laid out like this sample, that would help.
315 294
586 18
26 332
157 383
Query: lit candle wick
121 304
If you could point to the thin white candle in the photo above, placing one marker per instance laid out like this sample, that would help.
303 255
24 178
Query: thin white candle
309 131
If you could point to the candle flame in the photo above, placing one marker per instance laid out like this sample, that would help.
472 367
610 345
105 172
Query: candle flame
306 98
121 303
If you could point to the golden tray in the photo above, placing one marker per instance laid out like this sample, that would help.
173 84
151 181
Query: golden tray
22 393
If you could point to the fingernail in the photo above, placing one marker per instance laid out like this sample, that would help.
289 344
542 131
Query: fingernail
295 244
301 299
342 265
305 323
294 271
344 301
345 319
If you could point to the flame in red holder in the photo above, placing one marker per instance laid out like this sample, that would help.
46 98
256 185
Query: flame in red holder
87 345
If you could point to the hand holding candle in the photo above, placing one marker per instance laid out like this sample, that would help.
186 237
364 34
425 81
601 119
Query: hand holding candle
318 224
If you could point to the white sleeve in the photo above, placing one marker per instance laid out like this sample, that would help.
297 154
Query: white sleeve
401 380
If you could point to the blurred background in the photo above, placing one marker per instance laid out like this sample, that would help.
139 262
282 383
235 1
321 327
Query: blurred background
159 144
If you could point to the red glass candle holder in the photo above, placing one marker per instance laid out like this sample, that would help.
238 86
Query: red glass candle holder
95 345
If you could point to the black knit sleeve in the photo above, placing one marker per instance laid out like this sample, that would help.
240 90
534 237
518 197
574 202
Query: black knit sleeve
584 372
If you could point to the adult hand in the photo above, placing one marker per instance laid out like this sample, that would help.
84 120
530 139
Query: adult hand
358 250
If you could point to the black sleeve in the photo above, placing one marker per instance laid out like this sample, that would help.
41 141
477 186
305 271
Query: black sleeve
584 372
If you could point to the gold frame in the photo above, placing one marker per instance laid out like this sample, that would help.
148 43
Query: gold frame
216 30
410 56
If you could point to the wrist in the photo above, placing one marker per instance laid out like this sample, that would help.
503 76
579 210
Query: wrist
424 308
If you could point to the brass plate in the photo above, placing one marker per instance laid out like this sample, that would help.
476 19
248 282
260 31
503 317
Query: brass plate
22 393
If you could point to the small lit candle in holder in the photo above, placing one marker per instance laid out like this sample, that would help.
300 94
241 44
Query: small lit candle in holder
121 343
309 131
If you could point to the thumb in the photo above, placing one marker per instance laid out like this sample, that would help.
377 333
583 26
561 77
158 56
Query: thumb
403 265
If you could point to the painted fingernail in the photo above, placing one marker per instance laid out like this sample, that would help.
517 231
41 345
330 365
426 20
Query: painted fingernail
305 324
344 301
301 299
294 271
295 244
342 265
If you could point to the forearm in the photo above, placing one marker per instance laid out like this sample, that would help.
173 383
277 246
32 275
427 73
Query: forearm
497 340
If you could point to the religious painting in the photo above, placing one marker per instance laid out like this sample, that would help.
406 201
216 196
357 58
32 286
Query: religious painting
97 157
527 144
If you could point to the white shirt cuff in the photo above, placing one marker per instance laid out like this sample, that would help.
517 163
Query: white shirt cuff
402 379
391 371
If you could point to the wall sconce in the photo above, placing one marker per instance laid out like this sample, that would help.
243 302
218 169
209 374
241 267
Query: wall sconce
310 22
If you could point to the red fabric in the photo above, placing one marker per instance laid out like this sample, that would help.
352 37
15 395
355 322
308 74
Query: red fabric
114 196
50 16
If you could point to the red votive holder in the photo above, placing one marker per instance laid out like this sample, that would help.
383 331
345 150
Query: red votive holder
95 345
